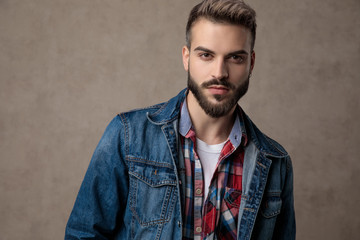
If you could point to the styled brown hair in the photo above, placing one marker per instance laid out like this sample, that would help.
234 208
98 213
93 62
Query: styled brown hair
235 12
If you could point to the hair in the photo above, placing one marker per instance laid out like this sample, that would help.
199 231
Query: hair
235 12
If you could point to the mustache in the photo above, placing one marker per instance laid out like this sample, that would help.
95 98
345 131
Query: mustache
217 82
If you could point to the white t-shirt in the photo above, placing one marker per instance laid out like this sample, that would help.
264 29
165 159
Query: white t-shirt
209 156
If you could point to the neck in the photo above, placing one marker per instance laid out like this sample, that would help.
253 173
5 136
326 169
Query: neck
209 129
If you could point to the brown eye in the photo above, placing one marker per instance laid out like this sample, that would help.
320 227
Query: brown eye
237 58
205 56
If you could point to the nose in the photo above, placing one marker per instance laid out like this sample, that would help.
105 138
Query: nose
220 70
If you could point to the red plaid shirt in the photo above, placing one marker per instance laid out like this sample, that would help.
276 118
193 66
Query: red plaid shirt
217 217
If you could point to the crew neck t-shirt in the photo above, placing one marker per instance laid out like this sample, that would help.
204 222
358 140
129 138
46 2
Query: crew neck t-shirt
209 156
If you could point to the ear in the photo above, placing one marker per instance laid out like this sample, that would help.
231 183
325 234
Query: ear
185 57
252 61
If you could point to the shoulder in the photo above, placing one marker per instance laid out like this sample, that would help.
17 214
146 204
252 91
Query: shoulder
139 113
275 145
118 127
123 128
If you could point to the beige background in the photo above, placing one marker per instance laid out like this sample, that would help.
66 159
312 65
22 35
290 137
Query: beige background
68 66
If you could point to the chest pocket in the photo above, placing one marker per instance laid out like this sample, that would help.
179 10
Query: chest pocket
271 205
152 193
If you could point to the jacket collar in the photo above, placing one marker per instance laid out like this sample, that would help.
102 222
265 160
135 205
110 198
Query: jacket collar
168 111
266 145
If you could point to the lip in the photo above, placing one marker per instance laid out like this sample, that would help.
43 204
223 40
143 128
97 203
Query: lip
219 90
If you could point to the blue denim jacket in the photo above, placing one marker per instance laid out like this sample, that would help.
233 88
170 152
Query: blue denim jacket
133 186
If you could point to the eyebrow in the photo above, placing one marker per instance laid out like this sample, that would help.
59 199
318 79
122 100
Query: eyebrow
212 52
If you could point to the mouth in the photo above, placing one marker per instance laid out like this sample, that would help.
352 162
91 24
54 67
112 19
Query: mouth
218 89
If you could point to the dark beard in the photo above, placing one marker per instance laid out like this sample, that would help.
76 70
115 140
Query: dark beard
225 105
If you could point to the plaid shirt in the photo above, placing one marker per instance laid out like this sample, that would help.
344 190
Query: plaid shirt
217 219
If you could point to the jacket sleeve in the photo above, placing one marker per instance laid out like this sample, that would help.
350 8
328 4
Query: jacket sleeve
285 228
98 209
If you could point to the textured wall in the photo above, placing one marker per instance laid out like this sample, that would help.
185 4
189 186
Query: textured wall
68 66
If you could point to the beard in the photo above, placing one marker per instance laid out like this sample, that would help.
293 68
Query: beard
223 105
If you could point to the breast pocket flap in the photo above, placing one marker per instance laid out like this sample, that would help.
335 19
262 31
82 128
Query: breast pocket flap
153 176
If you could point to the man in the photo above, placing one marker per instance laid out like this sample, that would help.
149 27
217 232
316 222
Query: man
195 167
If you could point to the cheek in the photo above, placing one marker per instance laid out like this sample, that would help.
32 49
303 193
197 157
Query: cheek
239 72
197 69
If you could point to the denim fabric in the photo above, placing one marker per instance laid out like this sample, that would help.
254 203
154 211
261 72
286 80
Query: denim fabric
133 187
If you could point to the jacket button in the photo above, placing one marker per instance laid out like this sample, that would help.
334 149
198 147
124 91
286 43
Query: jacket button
179 224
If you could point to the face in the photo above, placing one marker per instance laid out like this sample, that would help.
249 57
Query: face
219 63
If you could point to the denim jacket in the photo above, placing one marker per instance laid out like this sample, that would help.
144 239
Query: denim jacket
133 186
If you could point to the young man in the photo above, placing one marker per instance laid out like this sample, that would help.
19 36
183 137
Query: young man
195 167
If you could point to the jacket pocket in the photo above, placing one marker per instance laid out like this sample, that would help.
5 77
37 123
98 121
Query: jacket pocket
271 204
152 193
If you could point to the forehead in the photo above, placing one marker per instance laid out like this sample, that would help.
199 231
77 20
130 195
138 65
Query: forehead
220 36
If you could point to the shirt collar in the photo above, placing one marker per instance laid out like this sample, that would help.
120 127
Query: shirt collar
237 134
185 123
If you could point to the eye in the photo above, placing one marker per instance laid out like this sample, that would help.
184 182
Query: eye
236 58
205 56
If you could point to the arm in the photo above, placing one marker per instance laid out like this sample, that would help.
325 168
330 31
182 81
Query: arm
97 212
285 226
